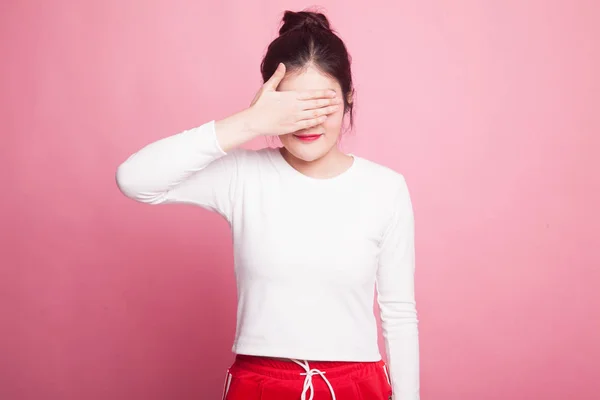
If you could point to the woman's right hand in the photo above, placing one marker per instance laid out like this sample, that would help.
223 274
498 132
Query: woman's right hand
274 113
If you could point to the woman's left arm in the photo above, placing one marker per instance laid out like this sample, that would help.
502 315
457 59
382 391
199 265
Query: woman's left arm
396 298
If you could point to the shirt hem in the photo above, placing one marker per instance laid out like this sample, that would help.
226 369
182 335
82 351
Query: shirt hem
322 354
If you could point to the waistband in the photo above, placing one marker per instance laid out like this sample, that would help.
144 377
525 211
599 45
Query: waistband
287 369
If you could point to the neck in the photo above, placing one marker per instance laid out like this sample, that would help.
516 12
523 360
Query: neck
333 163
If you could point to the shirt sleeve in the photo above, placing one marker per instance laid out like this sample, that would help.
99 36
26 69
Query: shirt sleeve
396 299
189 167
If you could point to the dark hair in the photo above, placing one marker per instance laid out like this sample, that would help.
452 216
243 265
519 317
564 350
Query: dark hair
305 39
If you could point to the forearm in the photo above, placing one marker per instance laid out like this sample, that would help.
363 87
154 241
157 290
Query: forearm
153 171
401 335
235 130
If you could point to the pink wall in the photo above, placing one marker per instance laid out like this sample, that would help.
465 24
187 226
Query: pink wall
490 109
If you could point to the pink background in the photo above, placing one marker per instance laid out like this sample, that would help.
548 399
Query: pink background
490 109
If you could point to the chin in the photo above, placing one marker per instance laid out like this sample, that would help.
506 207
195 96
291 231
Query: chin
305 152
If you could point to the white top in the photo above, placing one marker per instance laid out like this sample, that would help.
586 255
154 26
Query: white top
309 253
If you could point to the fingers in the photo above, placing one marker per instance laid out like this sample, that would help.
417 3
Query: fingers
277 76
318 112
317 94
319 103
309 123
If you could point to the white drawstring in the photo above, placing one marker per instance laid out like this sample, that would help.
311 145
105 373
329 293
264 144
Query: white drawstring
308 380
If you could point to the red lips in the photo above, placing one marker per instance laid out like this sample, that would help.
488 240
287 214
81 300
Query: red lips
307 138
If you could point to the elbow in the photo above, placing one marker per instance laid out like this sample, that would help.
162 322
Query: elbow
127 182
399 319
398 329
401 315
134 186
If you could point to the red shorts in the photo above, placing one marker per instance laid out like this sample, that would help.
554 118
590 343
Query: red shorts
261 378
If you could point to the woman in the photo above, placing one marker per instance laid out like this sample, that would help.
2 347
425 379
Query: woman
315 230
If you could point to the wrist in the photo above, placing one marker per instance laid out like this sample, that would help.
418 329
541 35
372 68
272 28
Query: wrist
235 130
248 126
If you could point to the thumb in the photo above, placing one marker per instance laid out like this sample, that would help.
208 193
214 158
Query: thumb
277 76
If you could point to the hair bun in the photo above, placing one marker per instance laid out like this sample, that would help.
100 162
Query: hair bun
304 20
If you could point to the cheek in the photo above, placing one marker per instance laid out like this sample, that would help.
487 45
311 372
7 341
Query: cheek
285 139
333 125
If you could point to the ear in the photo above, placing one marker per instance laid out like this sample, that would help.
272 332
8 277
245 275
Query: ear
350 97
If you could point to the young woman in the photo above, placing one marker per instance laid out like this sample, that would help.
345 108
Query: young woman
315 230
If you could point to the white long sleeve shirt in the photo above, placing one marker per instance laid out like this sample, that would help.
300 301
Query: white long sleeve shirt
310 254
